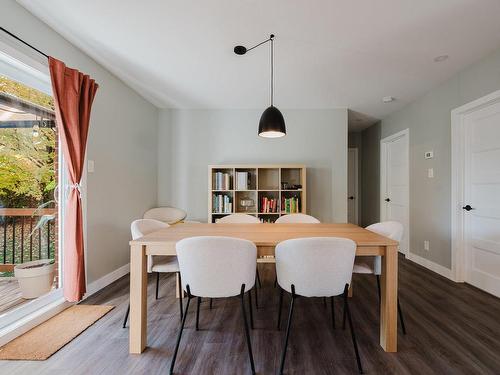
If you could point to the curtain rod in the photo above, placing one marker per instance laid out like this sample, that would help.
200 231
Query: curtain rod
22 41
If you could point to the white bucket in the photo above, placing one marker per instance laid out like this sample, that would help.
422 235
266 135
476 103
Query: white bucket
35 278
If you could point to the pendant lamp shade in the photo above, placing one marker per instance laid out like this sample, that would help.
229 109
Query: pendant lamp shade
272 123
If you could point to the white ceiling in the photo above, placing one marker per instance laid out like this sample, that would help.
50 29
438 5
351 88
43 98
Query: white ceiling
328 53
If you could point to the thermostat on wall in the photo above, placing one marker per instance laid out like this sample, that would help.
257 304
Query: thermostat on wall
429 154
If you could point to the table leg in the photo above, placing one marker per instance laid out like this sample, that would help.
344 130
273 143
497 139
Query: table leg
138 299
389 298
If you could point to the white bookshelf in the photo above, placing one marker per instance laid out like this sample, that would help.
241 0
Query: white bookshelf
278 182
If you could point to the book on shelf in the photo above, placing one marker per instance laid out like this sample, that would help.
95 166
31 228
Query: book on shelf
290 205
242 180
268 205
221 181
221 204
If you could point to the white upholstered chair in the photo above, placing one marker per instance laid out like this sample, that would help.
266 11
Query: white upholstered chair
216 267
297 218
169 215
242 219
239 219
315 267
157 264
373 265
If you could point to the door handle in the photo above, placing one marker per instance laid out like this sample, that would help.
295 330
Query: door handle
351 197
467 207
387 199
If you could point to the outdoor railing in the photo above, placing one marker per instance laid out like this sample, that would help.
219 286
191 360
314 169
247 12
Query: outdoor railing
24 237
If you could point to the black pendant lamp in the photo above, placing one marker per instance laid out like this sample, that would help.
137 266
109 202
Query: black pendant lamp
272 123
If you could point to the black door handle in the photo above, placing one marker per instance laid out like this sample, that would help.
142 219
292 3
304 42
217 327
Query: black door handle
351 198
467 208
387 199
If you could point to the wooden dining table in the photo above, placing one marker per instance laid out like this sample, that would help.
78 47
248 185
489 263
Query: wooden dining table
265 237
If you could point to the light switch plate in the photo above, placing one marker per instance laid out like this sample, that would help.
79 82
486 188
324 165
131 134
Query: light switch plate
430 172
90 166
426 245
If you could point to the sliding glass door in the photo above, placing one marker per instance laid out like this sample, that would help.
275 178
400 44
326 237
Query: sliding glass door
30 176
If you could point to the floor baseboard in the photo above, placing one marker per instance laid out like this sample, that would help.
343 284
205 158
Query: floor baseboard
429 264
104 281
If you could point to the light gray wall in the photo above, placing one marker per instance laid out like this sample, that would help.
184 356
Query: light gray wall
190 140
428 119
122 142
370 175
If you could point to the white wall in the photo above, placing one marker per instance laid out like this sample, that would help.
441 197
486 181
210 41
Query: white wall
190 140
122 142
429 121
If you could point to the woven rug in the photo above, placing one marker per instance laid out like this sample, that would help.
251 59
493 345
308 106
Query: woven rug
41 342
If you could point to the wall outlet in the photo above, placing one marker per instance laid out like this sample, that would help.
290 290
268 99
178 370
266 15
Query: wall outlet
430 172
426 245
429 154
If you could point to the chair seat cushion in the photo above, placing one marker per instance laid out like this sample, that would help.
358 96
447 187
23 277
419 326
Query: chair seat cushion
165 264
362 266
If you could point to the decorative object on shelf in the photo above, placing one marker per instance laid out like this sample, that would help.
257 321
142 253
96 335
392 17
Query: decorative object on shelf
246 203
272 123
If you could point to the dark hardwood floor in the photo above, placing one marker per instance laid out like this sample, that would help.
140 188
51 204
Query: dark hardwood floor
451 329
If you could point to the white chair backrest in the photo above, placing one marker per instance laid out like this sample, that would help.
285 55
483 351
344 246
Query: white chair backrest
216 266
317 266
297 218
169 215
239 219
392 229
141 227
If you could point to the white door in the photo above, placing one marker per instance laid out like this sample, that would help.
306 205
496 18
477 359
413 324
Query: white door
481 194
394 190
352 186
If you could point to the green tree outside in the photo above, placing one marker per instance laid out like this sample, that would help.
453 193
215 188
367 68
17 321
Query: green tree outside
27 156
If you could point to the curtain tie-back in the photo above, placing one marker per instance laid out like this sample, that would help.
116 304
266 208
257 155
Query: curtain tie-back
78 188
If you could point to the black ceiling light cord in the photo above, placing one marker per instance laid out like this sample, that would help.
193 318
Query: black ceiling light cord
272 123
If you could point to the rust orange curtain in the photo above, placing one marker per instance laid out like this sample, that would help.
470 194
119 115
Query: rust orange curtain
73 96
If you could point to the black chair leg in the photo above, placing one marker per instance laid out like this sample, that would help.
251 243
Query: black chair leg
179 280
211 303
172 364
126 316
250 307
247 332
258 278
256 297
332 303
351 327
289 325
157 283
198 303
401 318
279 308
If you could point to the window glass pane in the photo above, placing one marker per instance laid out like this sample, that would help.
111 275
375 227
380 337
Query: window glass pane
28 176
